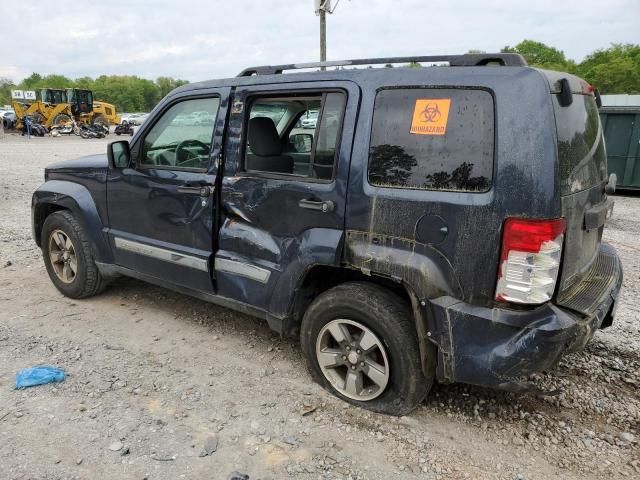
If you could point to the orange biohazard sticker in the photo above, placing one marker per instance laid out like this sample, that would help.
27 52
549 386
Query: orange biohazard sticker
430 116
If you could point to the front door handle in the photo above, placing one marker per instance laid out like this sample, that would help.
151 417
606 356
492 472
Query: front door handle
326 206
204 191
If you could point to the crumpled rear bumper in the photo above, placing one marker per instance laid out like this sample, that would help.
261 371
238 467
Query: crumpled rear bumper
496 347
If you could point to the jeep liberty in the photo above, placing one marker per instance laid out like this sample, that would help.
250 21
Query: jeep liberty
422 224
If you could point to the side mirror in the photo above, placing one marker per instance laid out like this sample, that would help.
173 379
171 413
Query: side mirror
302 142
118 154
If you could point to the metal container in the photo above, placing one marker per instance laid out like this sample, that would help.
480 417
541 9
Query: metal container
620 119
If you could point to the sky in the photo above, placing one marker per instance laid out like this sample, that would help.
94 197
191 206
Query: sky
205 39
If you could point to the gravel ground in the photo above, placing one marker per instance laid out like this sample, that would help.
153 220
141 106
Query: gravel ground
155 379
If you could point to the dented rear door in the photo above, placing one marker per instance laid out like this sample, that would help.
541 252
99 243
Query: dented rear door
274 227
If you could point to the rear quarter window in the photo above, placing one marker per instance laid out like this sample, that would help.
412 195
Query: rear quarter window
432 139
581 152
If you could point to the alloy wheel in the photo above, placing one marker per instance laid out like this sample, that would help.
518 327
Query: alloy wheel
62 255
353 359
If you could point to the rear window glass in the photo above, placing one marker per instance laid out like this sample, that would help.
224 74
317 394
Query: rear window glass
433 139
581 153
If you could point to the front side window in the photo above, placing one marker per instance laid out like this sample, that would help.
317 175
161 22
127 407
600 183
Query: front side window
432 139
297 135
181 139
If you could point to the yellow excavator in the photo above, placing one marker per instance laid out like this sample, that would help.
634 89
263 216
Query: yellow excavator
59 106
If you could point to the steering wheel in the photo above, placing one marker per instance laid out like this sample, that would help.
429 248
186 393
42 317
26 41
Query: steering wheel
189 154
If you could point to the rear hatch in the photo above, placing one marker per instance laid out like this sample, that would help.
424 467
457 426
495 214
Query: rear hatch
582 170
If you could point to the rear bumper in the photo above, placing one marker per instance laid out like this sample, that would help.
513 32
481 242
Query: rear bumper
496 347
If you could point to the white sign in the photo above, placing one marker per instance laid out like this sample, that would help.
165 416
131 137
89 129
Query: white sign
29 95
17 94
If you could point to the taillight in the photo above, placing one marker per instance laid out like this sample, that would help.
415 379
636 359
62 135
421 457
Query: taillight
530 260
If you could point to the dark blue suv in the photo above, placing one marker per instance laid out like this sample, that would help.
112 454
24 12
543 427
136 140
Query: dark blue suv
426 223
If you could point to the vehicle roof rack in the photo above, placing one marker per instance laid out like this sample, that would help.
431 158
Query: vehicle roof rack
466 60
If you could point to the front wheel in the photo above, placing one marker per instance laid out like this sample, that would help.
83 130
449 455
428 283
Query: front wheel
361 344
68 257
61 120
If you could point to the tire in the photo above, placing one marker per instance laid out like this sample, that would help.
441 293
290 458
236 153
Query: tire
61 119
378 311
37 118
102 122
86 280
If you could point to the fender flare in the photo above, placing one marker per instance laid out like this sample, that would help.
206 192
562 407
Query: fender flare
64 195
417 265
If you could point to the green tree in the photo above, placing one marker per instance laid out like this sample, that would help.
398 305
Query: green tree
37 81
540 55
167 84
6 85
32 81
613 70
84 82
126 92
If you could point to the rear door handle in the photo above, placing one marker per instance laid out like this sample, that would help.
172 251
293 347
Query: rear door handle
204 191
321 206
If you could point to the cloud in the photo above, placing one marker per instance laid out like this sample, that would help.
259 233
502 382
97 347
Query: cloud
201 39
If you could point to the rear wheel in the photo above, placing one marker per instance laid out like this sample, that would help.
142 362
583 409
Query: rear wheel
361 344
68 257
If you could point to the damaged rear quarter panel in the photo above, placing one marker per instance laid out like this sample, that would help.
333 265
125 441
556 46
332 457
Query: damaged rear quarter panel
446 244
523 184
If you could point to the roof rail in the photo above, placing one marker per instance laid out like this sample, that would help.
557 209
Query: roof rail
466 60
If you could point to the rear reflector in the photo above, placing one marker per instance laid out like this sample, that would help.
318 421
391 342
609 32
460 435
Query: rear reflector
530 260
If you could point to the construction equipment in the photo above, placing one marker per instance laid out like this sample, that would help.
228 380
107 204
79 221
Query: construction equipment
59 106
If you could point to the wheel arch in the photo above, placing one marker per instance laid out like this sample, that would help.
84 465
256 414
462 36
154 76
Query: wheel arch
56 195
320 278
40 213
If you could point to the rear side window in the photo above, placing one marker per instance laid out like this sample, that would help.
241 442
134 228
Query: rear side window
581 153
432 139
295 134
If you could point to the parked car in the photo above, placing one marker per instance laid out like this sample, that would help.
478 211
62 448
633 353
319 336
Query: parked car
135 118
448 224
310 120
8 118
124 128
204 118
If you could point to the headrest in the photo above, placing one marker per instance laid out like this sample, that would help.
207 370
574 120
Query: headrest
263 137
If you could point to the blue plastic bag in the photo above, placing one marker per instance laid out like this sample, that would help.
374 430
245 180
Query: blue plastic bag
41 375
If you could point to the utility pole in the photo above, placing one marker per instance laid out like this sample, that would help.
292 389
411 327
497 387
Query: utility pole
322 7
323 34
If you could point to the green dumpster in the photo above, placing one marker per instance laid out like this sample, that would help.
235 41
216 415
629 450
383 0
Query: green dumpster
621 125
